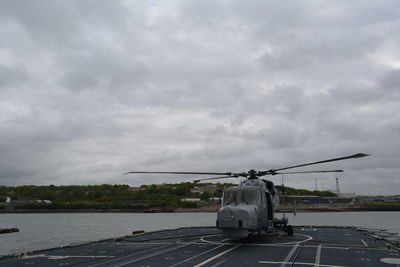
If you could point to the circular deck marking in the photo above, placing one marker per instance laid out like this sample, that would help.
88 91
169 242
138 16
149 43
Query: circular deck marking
208 241
306 238
391 260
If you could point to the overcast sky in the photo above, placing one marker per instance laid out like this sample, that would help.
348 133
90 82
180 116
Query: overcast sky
92 89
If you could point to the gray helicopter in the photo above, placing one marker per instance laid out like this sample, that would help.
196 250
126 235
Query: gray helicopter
250 207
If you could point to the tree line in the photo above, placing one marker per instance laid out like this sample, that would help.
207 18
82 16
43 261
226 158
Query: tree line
106 196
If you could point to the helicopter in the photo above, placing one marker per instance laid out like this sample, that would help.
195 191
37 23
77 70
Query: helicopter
250 207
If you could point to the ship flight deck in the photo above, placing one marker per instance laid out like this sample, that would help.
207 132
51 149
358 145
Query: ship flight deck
205 246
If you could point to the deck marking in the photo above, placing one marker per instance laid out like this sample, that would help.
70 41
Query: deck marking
299 263
291 252
365 244
206 241
220 262
163 243
308 238
150 255
195 256
61 257
391 260
77 256
351 248
295 242
216 256
326 245
318 256
130 255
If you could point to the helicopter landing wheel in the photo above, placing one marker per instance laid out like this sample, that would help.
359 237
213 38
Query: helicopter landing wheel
289 230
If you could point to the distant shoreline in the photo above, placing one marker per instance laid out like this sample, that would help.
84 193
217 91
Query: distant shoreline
180 210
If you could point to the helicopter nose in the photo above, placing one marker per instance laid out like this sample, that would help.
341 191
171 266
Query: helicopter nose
236 217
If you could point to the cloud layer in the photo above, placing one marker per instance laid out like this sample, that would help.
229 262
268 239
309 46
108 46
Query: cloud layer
92 89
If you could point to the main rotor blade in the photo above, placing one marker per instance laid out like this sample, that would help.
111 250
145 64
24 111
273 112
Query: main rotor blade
214 178
359 155
308 172
197 173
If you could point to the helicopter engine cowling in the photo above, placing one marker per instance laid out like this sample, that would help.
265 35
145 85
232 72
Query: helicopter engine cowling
274 193
270 186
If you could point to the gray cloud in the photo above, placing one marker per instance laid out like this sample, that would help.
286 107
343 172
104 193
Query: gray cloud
12 76
90 90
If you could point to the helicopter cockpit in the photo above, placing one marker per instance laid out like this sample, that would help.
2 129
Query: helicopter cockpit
240 196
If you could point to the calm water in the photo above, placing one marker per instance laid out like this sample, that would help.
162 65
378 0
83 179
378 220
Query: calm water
39 231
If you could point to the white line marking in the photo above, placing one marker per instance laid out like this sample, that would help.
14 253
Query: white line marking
295 242
130 255
220 262
60 257
365 243
290 254
391 261
299 263
216 256
339 246
66 257
149 256
166 243
318 256
206 241
199 254
139 243
308 238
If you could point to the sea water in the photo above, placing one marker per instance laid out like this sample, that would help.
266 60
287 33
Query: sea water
41 231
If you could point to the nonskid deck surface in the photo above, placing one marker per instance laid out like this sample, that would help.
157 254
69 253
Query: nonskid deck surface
310 246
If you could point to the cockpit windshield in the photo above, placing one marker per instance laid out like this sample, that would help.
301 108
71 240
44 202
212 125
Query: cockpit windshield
230 197
233 197
249 196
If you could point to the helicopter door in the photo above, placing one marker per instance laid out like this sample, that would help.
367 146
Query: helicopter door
269 206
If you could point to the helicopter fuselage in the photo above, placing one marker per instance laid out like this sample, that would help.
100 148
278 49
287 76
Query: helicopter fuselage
247 208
